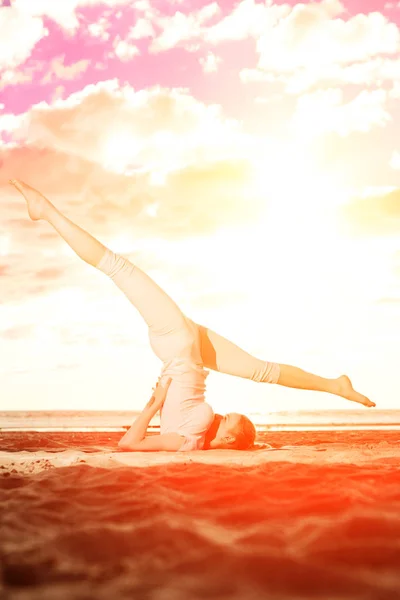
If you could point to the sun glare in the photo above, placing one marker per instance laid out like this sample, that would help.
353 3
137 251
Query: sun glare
296 240
119 149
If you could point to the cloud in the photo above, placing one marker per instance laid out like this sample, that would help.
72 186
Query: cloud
58 70
159 129
142 29
390 5
59 173
325 111
20 32
64 13
124 50
64 150
310 35
310 45
99 29
395 161
190 30
375 72
371 72
210 62
196 200
13 77
181 27
248 19
8 124
142 5
21 74
377 215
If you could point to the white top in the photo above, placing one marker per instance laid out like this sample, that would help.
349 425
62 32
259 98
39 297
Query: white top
185 410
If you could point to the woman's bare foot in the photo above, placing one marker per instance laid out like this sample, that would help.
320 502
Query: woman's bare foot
37 203
346 390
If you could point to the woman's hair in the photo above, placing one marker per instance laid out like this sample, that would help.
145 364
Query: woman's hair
245 434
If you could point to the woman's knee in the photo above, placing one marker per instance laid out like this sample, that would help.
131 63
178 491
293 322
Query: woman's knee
267 373
113 263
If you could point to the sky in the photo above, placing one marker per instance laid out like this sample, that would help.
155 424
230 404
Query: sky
245 154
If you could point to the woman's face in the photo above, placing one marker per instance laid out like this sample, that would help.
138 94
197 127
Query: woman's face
227 425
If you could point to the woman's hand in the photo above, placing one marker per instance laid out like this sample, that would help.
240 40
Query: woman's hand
134 436
158 398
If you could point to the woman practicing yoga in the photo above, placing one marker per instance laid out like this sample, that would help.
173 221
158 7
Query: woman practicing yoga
185 349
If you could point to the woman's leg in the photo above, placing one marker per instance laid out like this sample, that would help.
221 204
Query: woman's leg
222 355
170 335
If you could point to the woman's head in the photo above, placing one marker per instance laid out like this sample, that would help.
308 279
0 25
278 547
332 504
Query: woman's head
232 431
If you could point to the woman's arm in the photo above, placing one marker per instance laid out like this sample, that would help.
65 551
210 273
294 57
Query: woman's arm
167 441
137 431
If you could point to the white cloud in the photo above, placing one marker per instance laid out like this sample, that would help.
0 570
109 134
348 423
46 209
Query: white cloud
395 161
181 27
10 123
210 62
124 50
14 77
142 29
311 45
371 72
375 72
324 111
99 29
64 12
310 37
121 129
58 70
19 35
142 5
248 19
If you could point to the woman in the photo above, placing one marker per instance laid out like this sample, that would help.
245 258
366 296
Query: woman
185 348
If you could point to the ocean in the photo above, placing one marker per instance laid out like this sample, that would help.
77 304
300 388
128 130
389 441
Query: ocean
302 420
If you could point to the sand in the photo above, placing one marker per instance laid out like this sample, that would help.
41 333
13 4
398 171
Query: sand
314 516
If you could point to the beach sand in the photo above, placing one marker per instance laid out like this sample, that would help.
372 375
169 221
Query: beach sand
317 515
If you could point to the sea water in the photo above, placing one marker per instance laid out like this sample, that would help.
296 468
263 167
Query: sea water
302 420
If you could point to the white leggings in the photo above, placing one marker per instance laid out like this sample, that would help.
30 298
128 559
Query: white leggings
173 335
